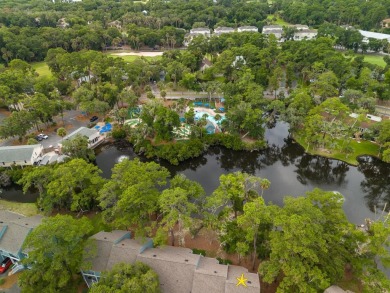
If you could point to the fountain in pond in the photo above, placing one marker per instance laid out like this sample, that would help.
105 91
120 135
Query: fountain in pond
122 157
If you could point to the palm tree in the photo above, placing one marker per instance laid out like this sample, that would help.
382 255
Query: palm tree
61 132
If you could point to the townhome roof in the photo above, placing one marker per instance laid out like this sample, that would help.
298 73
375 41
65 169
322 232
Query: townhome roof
83 131
17 153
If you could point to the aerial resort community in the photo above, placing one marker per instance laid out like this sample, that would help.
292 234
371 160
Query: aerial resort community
205 146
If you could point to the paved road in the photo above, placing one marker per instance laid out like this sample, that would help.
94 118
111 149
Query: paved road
54 139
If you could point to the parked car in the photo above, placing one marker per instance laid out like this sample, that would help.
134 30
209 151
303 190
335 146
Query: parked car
44 136
93 118
38 138
5 264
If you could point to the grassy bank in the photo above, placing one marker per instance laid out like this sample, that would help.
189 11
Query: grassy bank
359 149
41 68
276 20
26 209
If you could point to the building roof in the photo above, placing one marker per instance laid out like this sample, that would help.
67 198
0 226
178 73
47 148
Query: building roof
175 267
200 30
248 28
127 251
6 216
83 131
234 272
334 289
223 29
374 35
104 244
273 31
17 153
16 231
306 31
272 26
209 276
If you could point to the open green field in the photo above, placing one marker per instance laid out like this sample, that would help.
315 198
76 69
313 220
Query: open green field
131 58
359 149
41 68
371 58
375 59
277 21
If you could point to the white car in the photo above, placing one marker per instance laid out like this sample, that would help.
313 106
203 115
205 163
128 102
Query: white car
44 136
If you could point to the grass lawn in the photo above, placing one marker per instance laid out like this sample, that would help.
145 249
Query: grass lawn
26 209
375 59
277 21
131 58
359 149
371 58
41 68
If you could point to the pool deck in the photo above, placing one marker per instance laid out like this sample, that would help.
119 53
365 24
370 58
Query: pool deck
207 110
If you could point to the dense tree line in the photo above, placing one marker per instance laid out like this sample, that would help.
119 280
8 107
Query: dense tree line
305 244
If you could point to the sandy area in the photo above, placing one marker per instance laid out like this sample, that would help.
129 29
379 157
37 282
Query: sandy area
146 54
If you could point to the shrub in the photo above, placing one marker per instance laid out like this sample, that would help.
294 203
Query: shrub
118 133
199 251
2 281
223 261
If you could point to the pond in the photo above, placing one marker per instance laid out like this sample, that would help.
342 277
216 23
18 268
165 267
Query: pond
366 188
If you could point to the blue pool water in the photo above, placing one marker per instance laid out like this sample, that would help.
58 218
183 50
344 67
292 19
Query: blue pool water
199 115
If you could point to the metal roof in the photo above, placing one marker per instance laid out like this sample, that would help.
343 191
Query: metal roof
83 131
17 153
374 35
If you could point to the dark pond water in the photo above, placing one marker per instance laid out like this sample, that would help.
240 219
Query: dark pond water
366 188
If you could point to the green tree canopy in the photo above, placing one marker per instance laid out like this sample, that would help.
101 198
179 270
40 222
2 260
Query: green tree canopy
55 254
123 278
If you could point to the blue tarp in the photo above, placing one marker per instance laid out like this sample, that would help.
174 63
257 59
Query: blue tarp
207 105
106 128
222 109
198 103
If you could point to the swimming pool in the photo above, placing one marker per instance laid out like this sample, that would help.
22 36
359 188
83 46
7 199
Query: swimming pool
211 118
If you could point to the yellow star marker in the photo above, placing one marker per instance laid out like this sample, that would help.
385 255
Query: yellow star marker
241 281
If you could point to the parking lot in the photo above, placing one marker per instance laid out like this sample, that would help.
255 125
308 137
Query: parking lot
73 120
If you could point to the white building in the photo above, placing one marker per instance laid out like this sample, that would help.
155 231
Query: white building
21 155
276 30
200 31
247 29
302 32
206 32
223 30
371 35
305 34
92 135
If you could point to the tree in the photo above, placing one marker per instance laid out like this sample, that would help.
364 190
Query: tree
177 205
123 277
325 86
17 124
234 189
55 254
131 196
74 186
37 178
255 215
61 132
77 147
312 243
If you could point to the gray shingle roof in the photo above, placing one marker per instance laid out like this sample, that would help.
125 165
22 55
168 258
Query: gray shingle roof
234 272
126 251
175 267
6 216
84 131
17 153
104 244
209 276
